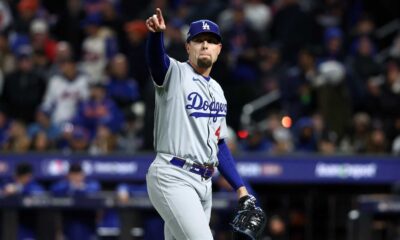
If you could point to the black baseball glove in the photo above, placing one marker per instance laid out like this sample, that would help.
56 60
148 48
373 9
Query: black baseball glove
250 220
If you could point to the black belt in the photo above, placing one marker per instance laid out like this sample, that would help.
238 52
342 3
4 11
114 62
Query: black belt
204 171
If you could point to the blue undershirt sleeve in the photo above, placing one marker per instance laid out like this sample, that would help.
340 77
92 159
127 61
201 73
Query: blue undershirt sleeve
156 58
227 166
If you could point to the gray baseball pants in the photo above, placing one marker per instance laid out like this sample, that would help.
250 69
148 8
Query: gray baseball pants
182 198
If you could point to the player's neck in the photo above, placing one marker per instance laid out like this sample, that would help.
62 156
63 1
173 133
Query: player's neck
205 72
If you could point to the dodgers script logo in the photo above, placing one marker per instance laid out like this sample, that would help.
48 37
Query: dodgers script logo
205 26
207 109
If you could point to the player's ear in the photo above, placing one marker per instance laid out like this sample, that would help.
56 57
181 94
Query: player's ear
219 49
187 47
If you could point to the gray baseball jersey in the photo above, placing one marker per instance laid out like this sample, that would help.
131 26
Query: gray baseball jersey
190 115
189 120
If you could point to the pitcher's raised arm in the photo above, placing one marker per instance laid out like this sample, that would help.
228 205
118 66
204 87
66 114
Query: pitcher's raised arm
157 59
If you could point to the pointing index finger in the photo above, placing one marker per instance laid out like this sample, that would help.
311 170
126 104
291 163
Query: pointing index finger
159 14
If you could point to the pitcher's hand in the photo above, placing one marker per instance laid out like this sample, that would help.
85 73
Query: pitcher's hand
156 22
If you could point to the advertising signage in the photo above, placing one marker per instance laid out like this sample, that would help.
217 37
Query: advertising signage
264 169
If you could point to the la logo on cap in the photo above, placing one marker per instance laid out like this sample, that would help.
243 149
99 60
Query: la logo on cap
205 26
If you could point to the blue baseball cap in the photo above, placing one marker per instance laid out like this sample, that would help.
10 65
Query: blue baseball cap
332 32
203 26
92 19
24 51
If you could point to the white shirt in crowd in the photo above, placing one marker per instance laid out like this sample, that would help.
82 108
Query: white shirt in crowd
63 95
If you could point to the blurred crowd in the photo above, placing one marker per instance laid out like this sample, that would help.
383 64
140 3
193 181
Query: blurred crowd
75 223
73 76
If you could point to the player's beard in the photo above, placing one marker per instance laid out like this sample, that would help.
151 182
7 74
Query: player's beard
204 62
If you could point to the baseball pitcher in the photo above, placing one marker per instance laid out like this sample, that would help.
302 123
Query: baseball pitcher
189 131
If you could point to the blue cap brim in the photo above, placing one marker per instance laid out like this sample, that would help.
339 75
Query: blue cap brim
218 37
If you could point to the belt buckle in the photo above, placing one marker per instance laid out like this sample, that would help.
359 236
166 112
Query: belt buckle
208 170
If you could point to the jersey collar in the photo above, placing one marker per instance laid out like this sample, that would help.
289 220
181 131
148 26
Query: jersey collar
205 78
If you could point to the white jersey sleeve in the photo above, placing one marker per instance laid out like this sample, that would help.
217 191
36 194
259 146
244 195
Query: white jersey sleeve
224 130
170 82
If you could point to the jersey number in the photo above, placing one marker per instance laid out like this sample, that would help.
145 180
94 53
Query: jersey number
218 132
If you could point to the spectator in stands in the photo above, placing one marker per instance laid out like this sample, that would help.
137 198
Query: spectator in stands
77 224
98 110
320 127
363 62
68 26
40 142
298 96
130 139
112 19
17 139
241 42
333 45
23 89
383 97
136 33
41 64
304 136
256 141
327 143
98 47
377 141
362 65
42 129
40 39
74 138
104 141
256 13
64 92
63 52
282 141
357 139
23 184
365 26
123 89
27 11
7 59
